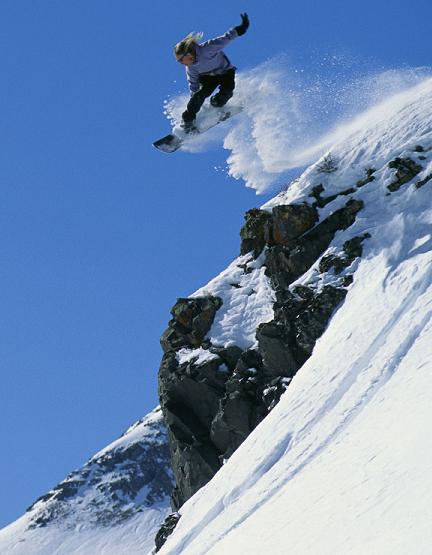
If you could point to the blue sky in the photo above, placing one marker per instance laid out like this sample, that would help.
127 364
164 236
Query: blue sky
99 232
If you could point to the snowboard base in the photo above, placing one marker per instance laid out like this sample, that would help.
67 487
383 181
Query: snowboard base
173 141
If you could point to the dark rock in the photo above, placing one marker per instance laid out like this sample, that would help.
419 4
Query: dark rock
189 397
241 409
211 407
273 392
352 249
192 319
369 177
331 261
196 464
230 355
347 280
291 221
277 345
256 231
423 181
406 169
166 529
285 265
320 201
285 223
316 191
286 342
235 419
303 292
312 321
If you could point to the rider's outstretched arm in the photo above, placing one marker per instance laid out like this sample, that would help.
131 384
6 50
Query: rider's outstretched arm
220 42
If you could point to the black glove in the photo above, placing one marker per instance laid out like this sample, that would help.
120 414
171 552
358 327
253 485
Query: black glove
241 29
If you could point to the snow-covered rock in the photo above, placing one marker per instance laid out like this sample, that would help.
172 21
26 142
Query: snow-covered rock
342 464
295 385
114 504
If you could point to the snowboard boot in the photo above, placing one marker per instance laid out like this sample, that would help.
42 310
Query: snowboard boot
188 123
220 99
188 127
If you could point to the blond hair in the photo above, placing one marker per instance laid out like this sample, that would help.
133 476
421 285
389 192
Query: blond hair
187 45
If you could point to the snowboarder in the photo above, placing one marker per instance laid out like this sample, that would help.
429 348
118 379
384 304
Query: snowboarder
207 67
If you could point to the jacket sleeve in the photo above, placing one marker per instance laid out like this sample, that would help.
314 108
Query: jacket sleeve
192 77
213 45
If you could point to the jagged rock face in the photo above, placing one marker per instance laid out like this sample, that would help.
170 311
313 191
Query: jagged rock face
128 476
406 169
191 321
255 233
213 398
300 319
288 262
291 221
166 530
190 395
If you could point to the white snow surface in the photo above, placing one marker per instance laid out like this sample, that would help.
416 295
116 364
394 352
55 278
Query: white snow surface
198 356
343 464
134 537
247 302
145 430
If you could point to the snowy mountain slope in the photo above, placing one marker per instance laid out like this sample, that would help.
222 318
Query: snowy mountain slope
114 504
343 463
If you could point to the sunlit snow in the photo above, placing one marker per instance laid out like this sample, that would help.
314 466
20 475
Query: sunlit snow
343 463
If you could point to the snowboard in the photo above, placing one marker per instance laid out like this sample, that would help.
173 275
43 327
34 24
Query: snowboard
205 121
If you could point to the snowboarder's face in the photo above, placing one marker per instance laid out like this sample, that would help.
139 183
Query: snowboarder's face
186 59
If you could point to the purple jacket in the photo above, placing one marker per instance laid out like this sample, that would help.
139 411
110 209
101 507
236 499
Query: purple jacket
210 59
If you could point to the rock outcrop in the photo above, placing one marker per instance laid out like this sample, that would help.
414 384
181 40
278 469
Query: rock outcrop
216 395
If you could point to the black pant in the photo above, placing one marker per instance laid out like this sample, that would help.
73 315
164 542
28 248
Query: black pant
226 82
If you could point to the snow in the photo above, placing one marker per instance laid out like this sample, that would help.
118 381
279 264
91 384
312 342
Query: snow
291 117
343 463
103 515
134 537
198 356
145 430
247 302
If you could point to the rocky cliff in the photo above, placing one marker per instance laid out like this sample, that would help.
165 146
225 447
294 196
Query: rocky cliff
329 304
216 388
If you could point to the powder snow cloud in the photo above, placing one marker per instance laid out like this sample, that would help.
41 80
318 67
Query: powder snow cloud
288 113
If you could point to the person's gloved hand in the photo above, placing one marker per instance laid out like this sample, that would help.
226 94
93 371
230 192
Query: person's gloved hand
241 29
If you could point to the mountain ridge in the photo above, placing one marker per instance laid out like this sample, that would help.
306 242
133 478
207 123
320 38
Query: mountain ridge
123 488
310 441
357 366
